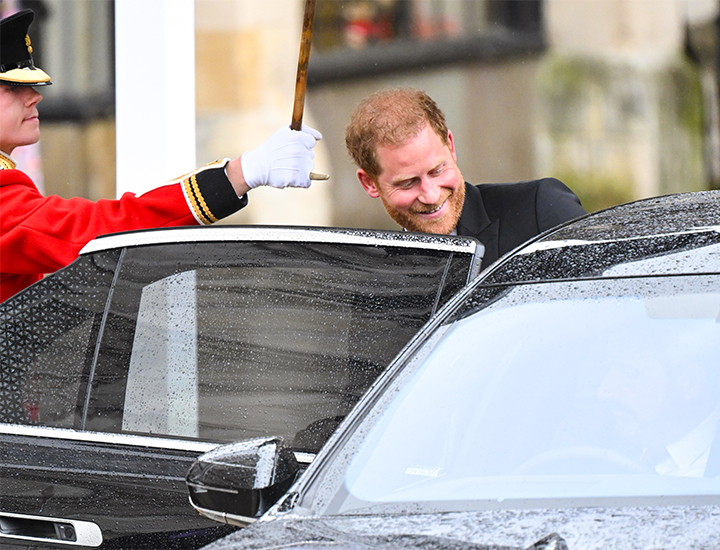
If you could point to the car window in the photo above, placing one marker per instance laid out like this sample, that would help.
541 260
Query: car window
226 341
47 336
580 391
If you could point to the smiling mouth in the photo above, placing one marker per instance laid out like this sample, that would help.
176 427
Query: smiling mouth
432 211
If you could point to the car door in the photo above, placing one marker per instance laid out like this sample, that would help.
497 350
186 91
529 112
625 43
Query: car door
155 347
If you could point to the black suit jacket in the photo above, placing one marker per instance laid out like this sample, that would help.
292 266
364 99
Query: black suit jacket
502 216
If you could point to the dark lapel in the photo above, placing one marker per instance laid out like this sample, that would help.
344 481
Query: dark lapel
475 222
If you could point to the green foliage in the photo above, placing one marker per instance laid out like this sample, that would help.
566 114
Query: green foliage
597 191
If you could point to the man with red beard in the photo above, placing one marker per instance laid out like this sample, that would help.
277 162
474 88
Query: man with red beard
406 157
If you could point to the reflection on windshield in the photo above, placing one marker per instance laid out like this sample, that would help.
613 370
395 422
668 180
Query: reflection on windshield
565 393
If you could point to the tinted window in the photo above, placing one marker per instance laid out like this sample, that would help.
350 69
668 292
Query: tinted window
225 341
47 337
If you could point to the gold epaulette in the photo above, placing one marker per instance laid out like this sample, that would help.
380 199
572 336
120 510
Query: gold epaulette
6 163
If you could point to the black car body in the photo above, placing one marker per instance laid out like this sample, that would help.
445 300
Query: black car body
154 347
569 398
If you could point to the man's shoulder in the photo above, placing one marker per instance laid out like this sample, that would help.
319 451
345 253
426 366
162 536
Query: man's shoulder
524 194
519 196
519 187
15 177
548 200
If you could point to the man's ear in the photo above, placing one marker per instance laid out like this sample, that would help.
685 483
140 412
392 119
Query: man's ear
451 142
368 184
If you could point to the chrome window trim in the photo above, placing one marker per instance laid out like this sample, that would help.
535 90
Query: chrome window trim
268 233
566 243
108 438
223 517
131 440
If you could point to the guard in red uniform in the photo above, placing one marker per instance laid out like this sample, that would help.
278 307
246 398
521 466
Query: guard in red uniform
39 235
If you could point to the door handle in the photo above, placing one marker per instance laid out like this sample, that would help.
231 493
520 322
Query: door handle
45 529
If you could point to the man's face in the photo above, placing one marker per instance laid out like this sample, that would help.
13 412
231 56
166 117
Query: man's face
19 123
420 183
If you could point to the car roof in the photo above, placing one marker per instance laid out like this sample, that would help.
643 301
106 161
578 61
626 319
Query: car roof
670 235
366 237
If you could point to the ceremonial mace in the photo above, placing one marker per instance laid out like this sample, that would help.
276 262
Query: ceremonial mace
301 80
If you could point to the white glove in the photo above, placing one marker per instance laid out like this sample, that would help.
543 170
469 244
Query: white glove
284 160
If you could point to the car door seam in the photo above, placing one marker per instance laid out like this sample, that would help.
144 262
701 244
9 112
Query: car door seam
98 344
441 286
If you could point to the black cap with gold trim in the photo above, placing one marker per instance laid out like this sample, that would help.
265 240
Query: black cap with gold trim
16 62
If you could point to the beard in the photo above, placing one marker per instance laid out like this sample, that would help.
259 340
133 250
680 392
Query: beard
412 219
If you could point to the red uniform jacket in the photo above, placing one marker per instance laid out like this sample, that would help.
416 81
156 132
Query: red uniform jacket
39 235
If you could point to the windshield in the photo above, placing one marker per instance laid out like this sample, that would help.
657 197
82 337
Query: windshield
578 391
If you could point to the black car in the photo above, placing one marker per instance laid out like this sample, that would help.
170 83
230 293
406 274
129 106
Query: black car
569 398
154 347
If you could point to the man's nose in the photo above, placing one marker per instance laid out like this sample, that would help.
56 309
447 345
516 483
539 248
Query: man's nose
429 192
33 97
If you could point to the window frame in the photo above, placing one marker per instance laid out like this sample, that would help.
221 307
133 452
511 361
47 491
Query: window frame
95 418
515 30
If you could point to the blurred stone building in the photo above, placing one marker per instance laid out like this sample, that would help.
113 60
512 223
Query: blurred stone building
621 110
618 98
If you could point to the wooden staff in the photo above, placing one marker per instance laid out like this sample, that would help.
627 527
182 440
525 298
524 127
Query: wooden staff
301 80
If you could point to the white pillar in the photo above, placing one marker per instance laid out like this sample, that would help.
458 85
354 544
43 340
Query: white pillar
155 92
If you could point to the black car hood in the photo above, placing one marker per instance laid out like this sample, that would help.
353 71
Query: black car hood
628 528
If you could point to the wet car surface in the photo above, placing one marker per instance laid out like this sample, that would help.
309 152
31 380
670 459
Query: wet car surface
569 398
155 347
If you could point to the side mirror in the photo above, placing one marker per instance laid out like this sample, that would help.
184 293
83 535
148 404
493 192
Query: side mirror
237 483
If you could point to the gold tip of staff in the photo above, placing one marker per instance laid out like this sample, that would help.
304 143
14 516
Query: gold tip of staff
316 176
